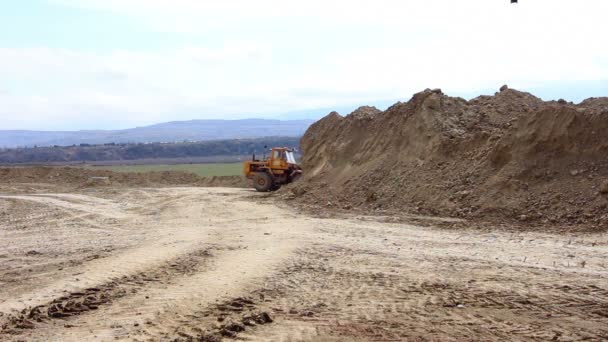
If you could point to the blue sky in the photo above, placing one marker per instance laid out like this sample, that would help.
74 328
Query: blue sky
105 64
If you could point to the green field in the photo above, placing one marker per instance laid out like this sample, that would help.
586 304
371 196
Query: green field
204 170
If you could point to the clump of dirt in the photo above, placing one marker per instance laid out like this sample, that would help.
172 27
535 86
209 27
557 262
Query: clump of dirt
235 316
509 156
72 176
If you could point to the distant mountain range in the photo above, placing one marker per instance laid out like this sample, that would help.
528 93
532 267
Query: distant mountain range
177 131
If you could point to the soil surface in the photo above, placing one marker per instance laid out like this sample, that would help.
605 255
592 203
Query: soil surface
35 178
210 264
511 157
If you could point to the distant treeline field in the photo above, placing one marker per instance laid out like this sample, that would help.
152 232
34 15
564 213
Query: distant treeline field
115 152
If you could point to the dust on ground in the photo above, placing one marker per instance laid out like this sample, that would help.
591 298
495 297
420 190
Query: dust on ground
210 264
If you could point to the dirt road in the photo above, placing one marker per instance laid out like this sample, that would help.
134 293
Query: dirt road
209 263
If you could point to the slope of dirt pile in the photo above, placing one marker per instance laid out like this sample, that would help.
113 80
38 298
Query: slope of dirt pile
92 178
507 156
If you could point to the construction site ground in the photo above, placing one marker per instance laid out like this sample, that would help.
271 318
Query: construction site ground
195 263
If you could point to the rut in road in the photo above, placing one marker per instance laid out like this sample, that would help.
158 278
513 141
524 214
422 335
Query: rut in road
196 264
198 248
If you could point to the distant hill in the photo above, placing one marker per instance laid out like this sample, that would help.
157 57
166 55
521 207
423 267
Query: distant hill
161 152
194 130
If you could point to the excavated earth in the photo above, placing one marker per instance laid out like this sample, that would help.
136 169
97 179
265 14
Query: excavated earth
510 157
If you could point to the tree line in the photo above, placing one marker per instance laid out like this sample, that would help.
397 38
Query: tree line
107 152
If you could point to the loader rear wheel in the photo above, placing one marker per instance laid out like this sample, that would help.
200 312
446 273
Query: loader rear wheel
262 182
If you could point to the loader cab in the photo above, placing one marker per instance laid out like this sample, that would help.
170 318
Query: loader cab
280 158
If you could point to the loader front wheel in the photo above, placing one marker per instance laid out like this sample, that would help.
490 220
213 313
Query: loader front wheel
262 182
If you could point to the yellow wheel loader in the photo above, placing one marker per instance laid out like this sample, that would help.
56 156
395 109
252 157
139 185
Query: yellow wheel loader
269 174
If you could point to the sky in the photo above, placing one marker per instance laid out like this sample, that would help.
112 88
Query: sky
110 64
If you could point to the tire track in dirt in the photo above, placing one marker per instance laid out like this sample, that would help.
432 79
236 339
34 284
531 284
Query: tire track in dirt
86 225
123 287
82 245
102 270
80 302
18 215
106 209
162 311
317 279
362 283
382 287
384 305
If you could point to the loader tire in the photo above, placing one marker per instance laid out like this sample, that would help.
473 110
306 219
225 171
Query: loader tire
296 177
262 182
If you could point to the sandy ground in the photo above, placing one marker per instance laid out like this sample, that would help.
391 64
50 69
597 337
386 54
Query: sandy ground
209 263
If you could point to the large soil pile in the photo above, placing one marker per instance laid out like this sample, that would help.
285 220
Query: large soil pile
91 178
507 156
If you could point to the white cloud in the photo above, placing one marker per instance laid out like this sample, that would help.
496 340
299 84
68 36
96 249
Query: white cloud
434 15
270 56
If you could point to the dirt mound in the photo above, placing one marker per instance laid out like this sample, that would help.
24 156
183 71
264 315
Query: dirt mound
94 178
510 155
